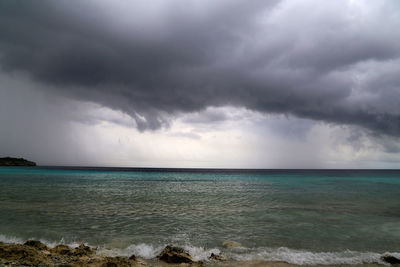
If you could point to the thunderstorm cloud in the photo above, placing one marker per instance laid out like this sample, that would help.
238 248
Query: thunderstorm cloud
331 61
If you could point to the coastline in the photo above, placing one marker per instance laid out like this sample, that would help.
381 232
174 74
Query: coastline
35 253
16 162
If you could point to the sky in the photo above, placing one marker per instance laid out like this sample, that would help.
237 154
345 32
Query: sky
207 84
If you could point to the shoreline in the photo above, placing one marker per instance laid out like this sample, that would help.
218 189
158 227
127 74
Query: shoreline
35 253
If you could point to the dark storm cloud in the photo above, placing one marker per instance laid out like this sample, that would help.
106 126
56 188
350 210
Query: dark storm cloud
333 61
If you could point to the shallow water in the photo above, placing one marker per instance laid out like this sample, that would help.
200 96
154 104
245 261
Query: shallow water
311 216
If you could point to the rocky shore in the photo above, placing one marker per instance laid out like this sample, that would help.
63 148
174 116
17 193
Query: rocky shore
35 253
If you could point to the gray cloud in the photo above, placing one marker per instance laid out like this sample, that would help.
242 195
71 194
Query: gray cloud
333 61
208 116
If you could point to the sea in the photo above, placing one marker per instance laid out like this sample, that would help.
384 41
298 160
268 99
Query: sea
296 216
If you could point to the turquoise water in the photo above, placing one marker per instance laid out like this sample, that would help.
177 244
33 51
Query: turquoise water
297 216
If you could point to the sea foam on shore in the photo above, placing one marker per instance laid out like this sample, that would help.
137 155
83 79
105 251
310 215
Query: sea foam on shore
282 254
236 254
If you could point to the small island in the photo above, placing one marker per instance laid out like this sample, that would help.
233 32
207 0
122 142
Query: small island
8 161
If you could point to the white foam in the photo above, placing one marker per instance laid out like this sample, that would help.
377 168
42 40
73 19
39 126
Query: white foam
293 256
146 251
299 257
10 239
200 253
302 257
51 244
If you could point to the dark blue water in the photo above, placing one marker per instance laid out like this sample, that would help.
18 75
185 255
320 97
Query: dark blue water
273 214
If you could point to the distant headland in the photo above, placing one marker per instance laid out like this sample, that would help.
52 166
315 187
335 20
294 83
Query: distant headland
8 161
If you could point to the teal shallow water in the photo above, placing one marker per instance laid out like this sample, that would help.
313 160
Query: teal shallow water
313 211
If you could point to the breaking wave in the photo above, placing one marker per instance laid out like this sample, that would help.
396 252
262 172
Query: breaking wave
293 256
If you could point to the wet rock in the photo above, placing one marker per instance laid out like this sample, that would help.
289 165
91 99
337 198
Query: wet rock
198 264
231 244
82 250
33 254
117 262
23 254
172 254
390 259
36 244
62 250
217 257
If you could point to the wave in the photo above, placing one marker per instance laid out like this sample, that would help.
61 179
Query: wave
16 240
149 251
293 256
302 257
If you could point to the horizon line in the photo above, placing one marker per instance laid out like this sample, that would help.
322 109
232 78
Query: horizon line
212 168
